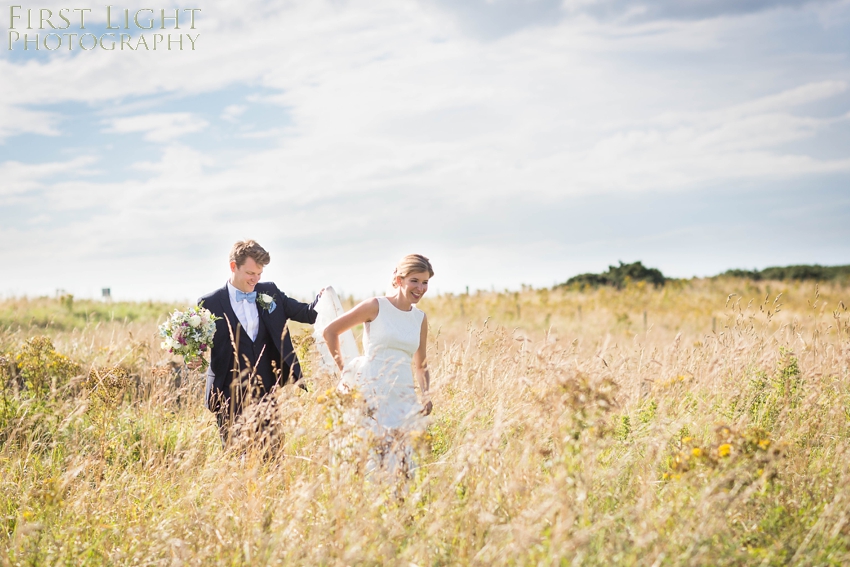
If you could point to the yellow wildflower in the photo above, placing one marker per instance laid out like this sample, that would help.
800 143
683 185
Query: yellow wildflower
696 452
764 444
724 450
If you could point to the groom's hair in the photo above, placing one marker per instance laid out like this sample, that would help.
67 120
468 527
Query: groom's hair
245 249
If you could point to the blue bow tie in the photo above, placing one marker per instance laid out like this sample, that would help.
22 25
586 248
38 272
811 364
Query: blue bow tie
249 297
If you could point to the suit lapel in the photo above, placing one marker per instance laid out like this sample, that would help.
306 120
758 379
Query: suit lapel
267 321
227 308
260 321
262 314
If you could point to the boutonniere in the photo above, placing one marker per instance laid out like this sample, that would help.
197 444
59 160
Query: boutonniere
266 302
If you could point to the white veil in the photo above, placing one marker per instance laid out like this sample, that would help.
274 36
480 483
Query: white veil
329 308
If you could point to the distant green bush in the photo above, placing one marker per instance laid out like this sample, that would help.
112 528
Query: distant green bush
66 313
619 276
801 272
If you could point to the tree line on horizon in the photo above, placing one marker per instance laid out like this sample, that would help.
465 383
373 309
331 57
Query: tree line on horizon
619 276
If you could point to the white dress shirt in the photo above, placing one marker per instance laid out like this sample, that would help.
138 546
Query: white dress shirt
248 317
246 312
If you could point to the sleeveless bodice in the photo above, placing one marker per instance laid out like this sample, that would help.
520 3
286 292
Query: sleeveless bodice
393 333
383 374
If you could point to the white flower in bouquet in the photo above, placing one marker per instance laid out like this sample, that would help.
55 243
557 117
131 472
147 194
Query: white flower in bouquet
189 334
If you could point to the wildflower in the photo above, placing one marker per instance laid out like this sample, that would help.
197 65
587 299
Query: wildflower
764 444
696 452
724 450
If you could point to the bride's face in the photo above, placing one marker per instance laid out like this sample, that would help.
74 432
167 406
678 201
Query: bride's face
414 286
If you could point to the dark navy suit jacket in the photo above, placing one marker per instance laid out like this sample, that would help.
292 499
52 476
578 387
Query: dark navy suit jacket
222 355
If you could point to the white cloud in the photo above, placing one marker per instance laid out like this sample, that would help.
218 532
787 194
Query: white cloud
389 103
232 112
15 120
18 178
157 127
686 10
790 98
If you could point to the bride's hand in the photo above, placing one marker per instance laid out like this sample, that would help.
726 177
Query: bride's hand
194 364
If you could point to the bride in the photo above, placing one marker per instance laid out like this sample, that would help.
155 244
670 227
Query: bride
394 344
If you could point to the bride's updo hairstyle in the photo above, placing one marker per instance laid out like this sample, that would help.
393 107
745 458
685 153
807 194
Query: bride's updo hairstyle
412 264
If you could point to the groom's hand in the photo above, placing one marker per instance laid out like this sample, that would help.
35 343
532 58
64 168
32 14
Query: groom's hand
194 364
426 409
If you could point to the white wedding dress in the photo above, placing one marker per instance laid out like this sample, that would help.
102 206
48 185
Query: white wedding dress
384 377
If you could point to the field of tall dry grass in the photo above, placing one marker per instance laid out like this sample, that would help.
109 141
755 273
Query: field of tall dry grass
702 423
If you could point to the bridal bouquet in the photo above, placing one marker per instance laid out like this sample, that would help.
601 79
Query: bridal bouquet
189 333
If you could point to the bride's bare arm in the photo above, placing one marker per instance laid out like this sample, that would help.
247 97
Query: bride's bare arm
363 312
421 367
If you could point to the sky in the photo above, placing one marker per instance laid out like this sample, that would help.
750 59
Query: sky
511 141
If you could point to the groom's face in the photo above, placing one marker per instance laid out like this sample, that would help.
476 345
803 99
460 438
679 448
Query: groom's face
246 276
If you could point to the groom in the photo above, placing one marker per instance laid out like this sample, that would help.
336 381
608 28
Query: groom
251 353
